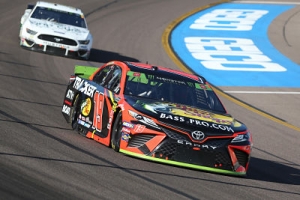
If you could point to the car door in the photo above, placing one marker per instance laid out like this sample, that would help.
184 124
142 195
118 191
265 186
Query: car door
103 102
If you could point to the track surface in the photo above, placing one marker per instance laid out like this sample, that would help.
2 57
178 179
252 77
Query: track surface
41 158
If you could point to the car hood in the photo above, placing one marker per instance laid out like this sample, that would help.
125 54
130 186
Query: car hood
53 28
186 117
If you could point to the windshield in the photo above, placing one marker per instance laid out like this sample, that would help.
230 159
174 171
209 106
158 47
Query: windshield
172 88
59 16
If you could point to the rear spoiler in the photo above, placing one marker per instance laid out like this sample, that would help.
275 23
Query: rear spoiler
84 71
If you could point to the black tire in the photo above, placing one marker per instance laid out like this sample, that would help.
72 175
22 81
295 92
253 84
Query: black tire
116 133
88 57
75 113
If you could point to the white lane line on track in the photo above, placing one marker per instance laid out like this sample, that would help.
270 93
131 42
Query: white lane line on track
268 2
260 92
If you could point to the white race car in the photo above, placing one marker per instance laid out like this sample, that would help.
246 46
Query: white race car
55 29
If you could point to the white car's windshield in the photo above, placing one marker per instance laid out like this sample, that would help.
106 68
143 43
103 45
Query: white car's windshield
59 16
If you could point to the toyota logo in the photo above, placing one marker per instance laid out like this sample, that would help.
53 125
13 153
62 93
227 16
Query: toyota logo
198 135
58 39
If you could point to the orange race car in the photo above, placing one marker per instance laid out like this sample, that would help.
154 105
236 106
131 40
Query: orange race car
158 114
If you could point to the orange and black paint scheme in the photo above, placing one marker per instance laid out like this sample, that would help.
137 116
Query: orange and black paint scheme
159 124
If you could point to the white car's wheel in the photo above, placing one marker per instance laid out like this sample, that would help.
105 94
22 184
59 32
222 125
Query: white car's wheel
20 35
20 41
87 56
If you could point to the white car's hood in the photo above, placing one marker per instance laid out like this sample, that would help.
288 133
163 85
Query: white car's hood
53 28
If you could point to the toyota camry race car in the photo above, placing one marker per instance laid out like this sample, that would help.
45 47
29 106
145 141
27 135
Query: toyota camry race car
158 114
56 29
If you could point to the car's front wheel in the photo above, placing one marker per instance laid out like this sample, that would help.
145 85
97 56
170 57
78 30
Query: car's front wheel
87 57
117 133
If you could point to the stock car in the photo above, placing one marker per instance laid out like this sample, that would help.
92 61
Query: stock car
158 114
56 29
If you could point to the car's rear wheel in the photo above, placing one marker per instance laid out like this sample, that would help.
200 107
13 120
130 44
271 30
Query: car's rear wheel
117 133
75 113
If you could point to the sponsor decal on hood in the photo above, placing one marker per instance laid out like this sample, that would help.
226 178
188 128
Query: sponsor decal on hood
57 27
187 111
187 116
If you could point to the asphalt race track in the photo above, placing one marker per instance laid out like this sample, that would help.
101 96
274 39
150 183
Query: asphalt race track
42 158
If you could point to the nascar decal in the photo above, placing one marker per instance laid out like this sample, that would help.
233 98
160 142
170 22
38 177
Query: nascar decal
230 41
84 86
86 107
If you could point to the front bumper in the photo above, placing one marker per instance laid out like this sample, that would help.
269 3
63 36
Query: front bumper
183 164
214 154
74 50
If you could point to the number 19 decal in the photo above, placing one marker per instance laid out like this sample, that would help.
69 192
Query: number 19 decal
98 110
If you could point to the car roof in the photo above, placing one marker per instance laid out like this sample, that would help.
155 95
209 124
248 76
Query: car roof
161 69
59 7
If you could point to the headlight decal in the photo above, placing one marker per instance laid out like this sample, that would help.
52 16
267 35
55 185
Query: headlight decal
31 32
241 138
84 41
143 119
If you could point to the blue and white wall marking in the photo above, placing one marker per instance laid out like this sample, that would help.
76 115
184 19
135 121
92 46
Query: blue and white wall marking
228 44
